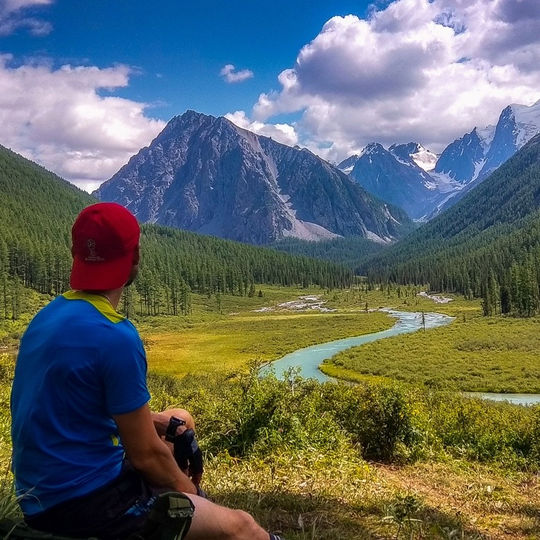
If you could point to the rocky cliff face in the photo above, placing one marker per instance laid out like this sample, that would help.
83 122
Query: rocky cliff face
207 175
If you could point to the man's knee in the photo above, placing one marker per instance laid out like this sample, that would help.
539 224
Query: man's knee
183 415
242 525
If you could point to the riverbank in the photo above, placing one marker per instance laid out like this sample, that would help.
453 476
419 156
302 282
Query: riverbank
306 361
250 330
482 354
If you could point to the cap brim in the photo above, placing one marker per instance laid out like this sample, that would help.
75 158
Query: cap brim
100 276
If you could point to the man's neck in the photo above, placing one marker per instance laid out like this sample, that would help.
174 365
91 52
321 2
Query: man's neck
112 295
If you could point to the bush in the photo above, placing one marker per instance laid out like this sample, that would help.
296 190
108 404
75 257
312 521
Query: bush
377 417
248 415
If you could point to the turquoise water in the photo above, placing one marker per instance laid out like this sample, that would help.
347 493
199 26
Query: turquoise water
307 360
516 399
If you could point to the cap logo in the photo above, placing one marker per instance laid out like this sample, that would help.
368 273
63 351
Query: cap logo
93 256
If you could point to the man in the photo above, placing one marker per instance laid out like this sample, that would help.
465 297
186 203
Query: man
80 407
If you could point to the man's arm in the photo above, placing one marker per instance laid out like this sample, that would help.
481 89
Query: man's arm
148 453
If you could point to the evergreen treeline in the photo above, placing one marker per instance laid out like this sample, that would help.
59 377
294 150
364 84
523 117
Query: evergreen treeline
488 245
173 259
37 210
351 251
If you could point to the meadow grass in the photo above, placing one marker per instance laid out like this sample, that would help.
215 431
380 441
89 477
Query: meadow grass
403 298
229 344
225 335
482 354
293 454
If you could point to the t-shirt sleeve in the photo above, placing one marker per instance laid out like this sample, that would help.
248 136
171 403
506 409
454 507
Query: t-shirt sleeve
125 374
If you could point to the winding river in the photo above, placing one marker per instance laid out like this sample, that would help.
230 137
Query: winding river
307 360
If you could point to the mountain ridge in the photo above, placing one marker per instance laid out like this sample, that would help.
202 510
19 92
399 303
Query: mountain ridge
206 174
462 165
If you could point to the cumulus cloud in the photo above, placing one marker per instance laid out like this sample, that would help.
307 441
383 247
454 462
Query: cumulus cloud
283 133
232 75
58 118
12 17
422 70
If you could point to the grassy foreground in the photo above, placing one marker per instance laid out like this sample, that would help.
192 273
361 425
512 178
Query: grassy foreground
327 462
378 460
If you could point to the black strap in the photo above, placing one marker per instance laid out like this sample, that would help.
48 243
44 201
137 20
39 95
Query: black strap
174 423
187 452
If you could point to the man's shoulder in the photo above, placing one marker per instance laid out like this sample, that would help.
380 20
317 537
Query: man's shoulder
85 317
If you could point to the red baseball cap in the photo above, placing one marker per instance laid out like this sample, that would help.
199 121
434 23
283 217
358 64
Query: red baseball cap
105 246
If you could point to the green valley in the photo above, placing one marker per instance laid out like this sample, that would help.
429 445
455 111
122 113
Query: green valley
399 454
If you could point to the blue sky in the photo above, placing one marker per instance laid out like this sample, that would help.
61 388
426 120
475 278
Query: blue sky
84 84
178 48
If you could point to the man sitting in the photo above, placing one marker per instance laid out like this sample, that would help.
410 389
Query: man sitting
88 454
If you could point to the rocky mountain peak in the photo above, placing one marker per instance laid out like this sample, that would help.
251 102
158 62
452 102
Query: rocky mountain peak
206 174
373 148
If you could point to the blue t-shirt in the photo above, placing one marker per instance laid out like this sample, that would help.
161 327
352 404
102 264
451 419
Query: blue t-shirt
79 363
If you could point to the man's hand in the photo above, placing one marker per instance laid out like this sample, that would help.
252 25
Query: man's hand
148 453
191 467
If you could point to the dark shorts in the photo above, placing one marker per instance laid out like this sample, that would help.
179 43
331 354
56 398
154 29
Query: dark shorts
116 511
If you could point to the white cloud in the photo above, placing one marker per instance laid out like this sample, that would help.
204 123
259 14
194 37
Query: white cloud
231 75
417 70
12 19
283 133
57 118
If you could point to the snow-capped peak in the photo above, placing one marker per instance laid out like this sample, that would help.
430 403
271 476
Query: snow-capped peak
485 135
527 122
372 148
424 158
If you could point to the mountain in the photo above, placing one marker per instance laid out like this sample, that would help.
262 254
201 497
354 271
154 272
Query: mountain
206 174
394 176
491 230
430 184
471 159
348 164
38 209
423 158
463 159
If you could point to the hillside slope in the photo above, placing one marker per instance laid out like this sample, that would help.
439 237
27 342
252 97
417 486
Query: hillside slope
38 209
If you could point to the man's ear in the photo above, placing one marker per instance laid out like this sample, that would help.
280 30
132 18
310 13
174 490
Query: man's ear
136 256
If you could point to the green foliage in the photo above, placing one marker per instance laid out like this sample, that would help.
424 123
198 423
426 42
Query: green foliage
250 416
377 417
36 215
350 251
175 262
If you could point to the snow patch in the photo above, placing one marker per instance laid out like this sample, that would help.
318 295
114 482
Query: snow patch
486 136
527 122
477 168
425 159
445 183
